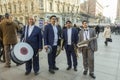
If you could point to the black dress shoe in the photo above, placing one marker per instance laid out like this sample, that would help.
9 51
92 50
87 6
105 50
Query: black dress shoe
56 68
85 72
51 71
92 75
27 73
36 73
68 68
75 69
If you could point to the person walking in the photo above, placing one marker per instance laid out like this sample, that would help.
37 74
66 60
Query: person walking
107 34
9 30
97 29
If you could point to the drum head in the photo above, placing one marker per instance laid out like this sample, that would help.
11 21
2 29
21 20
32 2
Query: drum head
23 51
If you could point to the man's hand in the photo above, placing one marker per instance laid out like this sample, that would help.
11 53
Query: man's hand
79 50
46 47
39 50
62 48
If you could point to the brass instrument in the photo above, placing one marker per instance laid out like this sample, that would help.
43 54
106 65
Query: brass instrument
59 48
85 42
76 50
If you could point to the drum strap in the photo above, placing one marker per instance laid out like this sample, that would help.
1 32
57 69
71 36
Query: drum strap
26 32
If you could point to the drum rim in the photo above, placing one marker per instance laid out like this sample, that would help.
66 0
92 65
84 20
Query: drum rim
1 51
14 59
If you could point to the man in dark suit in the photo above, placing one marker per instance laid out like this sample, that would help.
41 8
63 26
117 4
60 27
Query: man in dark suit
70 39
88 51
32 35
51 36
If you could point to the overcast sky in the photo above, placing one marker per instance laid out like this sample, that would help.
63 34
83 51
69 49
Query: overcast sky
110 7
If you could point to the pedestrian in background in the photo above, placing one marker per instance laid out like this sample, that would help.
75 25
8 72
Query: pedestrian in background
107 34
97 29
9 30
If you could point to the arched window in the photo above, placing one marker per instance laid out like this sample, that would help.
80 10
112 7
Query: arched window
50 6
32 6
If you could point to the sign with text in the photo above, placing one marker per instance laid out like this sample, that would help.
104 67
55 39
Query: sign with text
41 23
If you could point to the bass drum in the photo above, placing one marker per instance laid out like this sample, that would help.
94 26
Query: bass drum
21 53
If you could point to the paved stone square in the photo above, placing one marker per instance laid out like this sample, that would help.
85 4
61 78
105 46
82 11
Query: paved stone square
107 65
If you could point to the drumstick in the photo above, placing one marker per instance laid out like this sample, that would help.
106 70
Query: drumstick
37 54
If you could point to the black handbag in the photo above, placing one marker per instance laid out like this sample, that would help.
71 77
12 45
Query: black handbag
109 39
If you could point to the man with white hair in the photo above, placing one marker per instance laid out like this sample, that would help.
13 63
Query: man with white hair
33 36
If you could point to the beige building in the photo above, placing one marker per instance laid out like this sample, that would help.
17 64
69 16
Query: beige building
41 9
91 10
118 12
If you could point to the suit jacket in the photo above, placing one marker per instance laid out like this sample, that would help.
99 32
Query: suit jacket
49 35
93 44
74 36
35 39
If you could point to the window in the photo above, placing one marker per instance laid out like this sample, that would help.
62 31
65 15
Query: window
50 6
10 8
15 8
20 7
26 9
41 4
1 8
5 7
58 8
63 8
68 8
32 8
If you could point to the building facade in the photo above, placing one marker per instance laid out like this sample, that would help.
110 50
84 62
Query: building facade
118 12
41 10
91 10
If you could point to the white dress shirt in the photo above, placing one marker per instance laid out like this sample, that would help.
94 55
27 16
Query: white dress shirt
69 33
55 35
86 34
30 30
